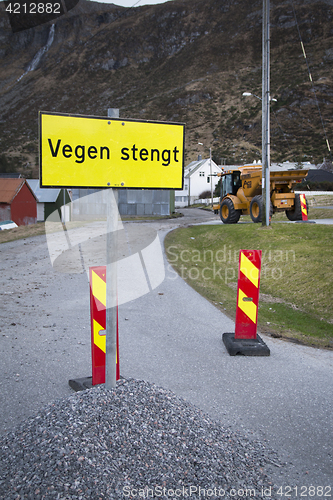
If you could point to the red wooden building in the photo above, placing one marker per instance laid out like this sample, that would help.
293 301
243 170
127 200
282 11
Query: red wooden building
17 202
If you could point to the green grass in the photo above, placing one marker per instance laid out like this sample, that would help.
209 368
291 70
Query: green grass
314 214
320 213
296 274
21 232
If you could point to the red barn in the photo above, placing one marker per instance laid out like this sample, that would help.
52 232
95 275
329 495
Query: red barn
17 202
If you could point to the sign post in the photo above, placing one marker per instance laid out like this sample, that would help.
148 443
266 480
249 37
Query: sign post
109 152
111 281
111 289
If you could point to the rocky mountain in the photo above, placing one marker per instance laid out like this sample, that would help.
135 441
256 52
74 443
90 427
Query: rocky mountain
185 61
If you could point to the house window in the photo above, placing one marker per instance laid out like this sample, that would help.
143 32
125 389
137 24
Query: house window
208 180
201 174
186 186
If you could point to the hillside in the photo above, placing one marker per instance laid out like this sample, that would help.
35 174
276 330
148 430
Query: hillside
186 61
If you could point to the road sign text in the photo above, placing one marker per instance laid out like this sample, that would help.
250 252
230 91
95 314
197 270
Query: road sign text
154 155
103 152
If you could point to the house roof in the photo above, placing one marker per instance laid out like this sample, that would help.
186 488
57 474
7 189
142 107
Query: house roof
43 195
195 165
319 176
13 175
9 188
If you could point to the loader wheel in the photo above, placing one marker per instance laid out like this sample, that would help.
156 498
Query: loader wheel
296 213
228 213
256 208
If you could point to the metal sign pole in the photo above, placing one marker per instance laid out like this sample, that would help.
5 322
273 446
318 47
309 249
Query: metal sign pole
111 281
265 116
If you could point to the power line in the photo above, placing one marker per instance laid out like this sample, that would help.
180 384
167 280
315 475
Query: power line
311 80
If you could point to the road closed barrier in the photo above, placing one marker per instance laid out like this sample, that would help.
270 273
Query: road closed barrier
245 340
97 280
304 208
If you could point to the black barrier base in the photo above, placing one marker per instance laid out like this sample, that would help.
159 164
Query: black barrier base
81 384
245 347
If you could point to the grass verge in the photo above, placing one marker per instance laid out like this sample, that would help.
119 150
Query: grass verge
21 232
296 288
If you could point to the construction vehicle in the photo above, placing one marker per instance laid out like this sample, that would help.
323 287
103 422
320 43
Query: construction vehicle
241 193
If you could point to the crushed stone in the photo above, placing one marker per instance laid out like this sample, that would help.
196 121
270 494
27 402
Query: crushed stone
135 441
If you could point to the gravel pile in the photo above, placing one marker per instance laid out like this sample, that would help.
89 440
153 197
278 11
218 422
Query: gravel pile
137 441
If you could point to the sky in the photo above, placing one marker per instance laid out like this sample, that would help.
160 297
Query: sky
131 3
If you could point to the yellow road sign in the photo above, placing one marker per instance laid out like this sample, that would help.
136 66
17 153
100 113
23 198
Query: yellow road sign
89 151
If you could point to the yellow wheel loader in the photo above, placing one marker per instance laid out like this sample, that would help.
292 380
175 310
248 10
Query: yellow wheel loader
241 194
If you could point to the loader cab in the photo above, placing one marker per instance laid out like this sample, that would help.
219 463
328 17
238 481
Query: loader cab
230 183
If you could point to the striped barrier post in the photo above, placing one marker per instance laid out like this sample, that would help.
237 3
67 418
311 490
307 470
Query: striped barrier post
245 339
304 209
97 280
248 294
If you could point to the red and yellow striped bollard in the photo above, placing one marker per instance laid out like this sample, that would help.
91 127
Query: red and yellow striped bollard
304 208
97 280
245 339
248 294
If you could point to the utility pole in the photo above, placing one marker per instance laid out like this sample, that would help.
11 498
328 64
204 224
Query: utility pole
266 201
211 175
189 188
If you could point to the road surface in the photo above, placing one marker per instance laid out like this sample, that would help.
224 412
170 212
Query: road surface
170 336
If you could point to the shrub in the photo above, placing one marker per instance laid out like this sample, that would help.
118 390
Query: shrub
204 195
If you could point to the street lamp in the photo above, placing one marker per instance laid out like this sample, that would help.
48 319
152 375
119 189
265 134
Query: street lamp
211 175
248 94
265 184
266 201
266 198
265 165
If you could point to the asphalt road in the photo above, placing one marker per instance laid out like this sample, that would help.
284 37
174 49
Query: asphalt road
170 336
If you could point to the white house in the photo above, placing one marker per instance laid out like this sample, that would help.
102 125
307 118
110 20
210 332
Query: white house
197 176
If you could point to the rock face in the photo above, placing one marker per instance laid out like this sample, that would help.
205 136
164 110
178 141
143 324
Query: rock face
185 60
